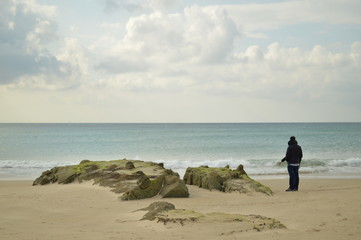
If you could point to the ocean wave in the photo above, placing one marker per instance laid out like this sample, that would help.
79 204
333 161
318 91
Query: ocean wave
351 162
233 163
28 164
252 166
27 169
270 167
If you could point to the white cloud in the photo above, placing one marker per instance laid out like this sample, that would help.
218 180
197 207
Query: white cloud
258 17
355 52
196 47
279 73
197 36
304 75
75 55
186 60
26 30
113 5
11 25
153 34
193 52
43 33
211 33
22 35
138 5
161 5
32 7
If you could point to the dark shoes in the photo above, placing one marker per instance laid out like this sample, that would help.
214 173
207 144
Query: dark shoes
291 190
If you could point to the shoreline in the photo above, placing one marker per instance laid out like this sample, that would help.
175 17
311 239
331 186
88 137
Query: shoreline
322 209
309 176
275 176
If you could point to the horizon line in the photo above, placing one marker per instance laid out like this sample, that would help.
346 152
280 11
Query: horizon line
177 122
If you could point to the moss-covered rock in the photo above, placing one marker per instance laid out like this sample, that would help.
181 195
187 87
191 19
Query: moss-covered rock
174 187
153 188
224 179
143 182
48 176
129 165
167 185
212 181
61 175
66 175
133 179
156 208
167 213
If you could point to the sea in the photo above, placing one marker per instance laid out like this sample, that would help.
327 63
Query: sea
331 150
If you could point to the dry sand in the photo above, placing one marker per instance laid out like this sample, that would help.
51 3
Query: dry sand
322 209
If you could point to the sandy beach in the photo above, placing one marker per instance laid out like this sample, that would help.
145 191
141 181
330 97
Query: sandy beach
322 209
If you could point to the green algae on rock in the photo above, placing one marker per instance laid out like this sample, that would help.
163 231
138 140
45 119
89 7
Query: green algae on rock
224 180
167 213
156 208
133 179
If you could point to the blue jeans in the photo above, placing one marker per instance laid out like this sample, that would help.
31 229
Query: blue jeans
294 179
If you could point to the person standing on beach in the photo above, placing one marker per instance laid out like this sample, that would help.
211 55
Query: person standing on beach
293 157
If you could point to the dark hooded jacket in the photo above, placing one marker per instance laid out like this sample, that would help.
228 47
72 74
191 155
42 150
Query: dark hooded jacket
294 153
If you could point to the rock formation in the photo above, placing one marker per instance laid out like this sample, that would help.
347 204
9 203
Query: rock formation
155 208
167 213
132 179
224 179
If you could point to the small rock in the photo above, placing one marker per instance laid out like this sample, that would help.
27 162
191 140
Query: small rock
155 208
129 166
143 182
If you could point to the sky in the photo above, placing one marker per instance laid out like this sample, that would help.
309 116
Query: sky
180 61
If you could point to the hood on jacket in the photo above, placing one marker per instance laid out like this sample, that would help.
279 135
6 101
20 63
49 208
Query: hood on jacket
292 141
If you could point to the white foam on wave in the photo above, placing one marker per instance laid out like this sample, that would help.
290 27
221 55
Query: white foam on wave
28 169
251 166
20 169
269 166
34 163
351 162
